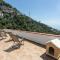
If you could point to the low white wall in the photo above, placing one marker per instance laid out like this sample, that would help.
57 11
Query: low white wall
42 39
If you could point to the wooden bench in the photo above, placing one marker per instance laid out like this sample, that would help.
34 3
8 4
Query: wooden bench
15 38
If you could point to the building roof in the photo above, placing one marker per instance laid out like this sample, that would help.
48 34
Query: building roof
56 42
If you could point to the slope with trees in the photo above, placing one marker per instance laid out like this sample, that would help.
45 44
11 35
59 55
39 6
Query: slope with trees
14 19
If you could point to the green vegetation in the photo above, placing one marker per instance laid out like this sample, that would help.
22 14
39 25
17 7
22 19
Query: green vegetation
17 20
1 1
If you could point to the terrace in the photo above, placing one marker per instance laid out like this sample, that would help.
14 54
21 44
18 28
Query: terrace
29 51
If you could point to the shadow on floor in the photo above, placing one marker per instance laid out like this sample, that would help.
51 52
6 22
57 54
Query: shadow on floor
46 57
40 45
12 48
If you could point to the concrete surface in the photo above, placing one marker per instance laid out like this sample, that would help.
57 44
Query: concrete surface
28 51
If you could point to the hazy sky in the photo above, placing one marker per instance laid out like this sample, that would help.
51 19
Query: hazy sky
46 11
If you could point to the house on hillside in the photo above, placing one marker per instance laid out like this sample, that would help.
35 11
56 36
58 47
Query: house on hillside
7 9
1 4
53 48
1 14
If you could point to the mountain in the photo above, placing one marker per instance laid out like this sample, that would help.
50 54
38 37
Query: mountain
11 18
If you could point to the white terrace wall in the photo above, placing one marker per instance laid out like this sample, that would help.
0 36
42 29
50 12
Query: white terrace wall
42 39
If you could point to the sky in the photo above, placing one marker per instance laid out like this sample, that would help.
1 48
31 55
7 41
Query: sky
45 11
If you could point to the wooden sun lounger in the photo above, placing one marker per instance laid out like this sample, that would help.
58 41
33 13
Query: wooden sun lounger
15 38
3 34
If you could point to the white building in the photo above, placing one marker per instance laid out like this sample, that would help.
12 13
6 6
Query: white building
53 48
1 14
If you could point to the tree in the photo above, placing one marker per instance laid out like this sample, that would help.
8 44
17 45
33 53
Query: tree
1 1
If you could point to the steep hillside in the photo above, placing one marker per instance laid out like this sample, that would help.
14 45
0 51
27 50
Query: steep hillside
11 18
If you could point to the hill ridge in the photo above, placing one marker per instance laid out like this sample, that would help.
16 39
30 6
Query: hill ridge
11 18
